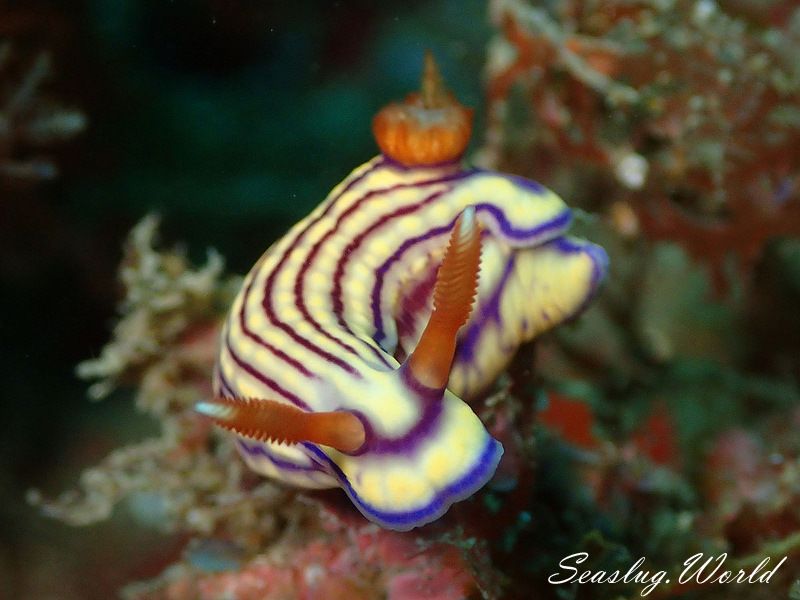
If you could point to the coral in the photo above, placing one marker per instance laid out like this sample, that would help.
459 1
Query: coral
703 149
338 557
753 480
30 119
165 343
165 301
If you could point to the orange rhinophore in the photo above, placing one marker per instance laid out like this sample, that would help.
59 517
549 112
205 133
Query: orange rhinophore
453 297
429 128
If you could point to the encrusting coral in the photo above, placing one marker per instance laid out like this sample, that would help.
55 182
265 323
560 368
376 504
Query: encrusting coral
338 557
685 112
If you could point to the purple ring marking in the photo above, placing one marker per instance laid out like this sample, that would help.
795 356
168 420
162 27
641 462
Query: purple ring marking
398 166
422 429
518 181
538 234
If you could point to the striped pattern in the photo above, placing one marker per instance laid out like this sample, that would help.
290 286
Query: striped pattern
327 314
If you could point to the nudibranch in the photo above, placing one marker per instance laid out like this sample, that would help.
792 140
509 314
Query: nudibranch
348 355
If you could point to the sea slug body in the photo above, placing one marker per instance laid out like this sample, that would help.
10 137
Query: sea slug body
348 353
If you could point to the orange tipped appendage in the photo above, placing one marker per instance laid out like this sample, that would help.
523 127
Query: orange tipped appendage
429 128
270 421
453 297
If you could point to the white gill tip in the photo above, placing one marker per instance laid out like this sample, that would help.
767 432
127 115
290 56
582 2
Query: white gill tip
211 409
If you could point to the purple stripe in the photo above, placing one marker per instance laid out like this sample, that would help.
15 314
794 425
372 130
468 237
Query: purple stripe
458 490
298 339
380 274
599 264
397 166
226 388
341 265
533 236
259 450
262 342
270 383
336 294
267 301
466 348
529 184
